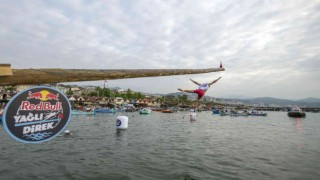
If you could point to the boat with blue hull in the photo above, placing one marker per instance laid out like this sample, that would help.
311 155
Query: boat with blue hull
77 112
104 110
215 111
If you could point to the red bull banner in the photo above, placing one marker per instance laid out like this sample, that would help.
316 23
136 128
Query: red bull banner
37 114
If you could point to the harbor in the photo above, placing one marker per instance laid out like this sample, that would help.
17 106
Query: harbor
170 146
159 90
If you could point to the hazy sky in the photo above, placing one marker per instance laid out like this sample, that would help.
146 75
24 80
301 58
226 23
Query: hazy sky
269 48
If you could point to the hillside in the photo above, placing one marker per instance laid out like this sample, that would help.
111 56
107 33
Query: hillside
309 102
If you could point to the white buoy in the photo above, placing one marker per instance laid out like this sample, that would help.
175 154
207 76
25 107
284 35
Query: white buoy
193 116
67 133
122 122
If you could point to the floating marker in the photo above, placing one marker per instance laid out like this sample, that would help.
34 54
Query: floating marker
122 122
67 132
193 116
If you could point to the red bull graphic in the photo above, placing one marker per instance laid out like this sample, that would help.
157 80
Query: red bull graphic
43 95
36 95
36 115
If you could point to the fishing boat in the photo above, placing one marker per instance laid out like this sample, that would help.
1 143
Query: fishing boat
167 111
104 110
145 111
231 112
78 112
157 109
239 114
257 113
296 112
215 111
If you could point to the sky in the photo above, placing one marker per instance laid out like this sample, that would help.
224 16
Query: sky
269 48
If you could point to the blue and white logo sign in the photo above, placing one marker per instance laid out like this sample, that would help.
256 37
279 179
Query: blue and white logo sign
118 123
36 115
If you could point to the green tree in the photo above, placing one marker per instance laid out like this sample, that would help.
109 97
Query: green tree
69 92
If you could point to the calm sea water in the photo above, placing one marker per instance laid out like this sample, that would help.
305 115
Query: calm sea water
169 146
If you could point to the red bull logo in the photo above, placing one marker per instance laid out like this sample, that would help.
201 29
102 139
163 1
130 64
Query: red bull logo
52 96
37 114
36 95
43 95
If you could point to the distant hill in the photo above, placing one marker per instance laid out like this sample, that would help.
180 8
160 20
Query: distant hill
310 102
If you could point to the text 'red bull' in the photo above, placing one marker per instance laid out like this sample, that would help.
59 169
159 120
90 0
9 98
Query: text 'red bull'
42 106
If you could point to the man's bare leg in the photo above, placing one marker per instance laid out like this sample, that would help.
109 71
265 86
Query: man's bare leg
188 91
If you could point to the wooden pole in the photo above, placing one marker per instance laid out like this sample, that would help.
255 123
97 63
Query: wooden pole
42 76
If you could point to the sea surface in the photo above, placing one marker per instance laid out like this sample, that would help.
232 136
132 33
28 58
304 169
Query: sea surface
170 146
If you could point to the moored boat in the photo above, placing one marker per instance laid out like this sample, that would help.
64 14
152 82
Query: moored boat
157 109
229 112
257 113
296 112
239 114
215 111
78 112
104 110
145 111
167 111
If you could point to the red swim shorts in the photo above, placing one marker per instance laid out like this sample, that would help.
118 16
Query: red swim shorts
200 93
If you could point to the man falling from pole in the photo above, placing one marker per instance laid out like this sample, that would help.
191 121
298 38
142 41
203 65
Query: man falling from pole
201 89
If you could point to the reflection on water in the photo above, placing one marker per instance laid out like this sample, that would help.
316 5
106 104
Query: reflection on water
121 132
171 146
298 124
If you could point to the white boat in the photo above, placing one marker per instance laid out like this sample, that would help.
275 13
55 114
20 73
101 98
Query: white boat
232 112
296 112
145 111
257 113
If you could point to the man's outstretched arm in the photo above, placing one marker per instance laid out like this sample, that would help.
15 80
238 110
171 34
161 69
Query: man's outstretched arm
194 82
214 81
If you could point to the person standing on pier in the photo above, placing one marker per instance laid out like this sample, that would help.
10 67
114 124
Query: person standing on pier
202 88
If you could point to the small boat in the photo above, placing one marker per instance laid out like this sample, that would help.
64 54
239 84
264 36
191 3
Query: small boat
145 111
167 111
215 111
296 112
77 112
156 109
229 112
239 114
257 113
104 110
